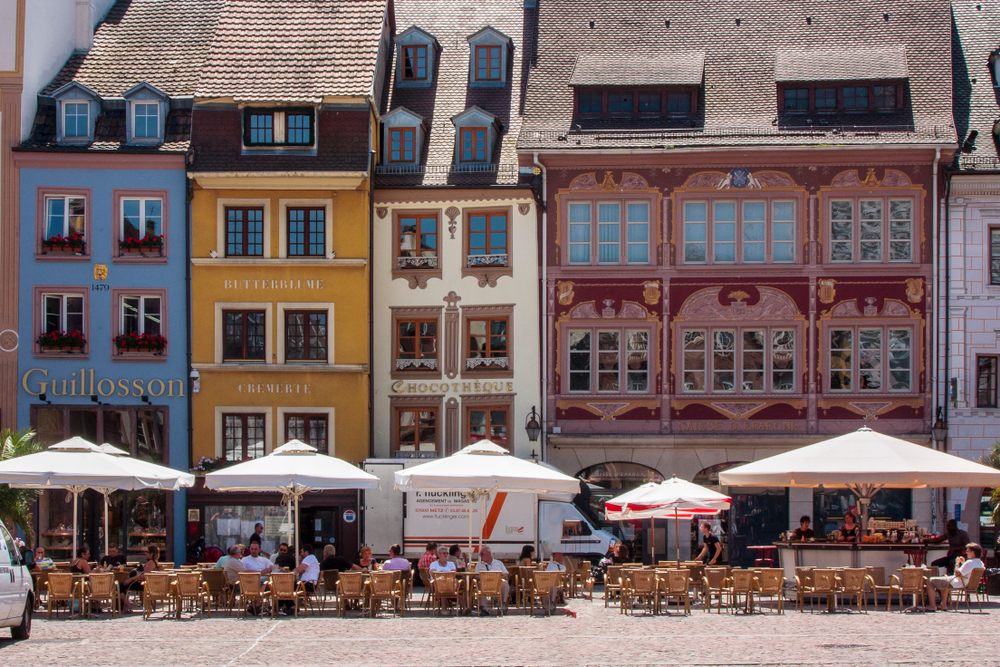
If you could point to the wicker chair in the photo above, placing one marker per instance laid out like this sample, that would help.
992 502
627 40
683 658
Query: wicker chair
525 583
425 579
283 589
327 585
674 585
803 580
971 588
102 588
489 586
771 584
909 581
385 588
41 581
167 565
742 584
697 570
877 585
853 585
252 592
350 591
715 583
444 590
218 588
156 588
192 589
583 579
542 585
62 589
825 585
640 586
612 583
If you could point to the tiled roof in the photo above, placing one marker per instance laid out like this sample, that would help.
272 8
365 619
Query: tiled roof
294 50
840 64
451 23
977 35
162 42
615 69
109 133
741 40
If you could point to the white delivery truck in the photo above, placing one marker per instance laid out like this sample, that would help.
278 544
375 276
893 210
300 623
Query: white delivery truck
508 520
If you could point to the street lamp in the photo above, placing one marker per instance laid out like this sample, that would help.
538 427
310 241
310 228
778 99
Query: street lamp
939 431
533 429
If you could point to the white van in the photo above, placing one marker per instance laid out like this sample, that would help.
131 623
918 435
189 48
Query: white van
16 590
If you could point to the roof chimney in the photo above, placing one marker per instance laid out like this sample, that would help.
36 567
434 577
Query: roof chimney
85 20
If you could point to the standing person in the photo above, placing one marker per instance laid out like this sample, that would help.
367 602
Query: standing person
711 547
428 557
258 530
803 532
396 560
488 564
850 531
957 541
965 566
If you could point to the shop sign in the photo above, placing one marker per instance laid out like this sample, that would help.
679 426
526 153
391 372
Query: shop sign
464 387
271 284
85 382
274 388
349 516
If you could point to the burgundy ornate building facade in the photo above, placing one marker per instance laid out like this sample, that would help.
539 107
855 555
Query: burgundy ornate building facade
736 265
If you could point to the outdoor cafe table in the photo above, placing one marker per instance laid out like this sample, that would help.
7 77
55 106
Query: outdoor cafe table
890 556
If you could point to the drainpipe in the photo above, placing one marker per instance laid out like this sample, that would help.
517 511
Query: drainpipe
543 282
188 195
936 284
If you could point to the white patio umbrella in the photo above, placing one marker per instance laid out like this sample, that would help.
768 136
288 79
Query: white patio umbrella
292 469
864 462
673 498
169 479
77 465
481 469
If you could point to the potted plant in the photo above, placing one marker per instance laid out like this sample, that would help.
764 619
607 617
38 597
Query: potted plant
73 242
135 244
61 340
140 342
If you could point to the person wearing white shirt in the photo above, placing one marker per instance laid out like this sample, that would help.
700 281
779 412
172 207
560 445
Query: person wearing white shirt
963 571
442 564
488 564
308 568
557 564
255 562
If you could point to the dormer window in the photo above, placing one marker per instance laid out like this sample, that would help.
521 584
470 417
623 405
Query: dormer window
416 54
146 120
475 136
403 136
401 144
640 103
489 55
147 109
278 127
77 107
76 120
854 97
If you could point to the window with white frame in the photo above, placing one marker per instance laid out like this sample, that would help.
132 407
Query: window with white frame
738 360
141 314
612 361
76 120
871 229
141 218
609 232
870 359
745 231
65 217
62 312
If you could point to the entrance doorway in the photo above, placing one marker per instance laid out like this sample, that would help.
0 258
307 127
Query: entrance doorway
319 526
756 518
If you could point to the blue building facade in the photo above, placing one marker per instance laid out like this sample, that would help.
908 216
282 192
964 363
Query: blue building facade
103 328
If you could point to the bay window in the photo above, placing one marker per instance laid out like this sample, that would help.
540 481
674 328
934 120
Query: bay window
738 360
743 231
621 234
870 359
871 229
614 361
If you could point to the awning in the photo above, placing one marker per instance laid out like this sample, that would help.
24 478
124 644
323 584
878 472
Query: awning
682 68
802 65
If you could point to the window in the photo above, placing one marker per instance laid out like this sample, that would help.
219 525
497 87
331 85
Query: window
678 104
796 99
141 315
416 429
473 144
243 337
590 102
620 102
825 99
739 232
65 219
245 231
242 436
268 127
401 144
310 428
622 235
306 231
488 63
418 241
141 223
487 239
855 98
416 344
145 120
986 381
487 343
885 98
858 230
491 422
609 360
414 62
742 361
994 255
874 359
650 103
634 103
76 120
62 323
306 335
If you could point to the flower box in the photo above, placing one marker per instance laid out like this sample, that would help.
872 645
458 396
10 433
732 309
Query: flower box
73 243
61 341
150 244
137 342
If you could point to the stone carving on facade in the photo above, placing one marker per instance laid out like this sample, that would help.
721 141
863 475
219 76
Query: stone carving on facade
523 208
584 311
100 272
895 178
739 178
381 212
848 308
736 410
586 181
629 181
870 309
773 304
870 409
895 308
914 290
609 308
564 288
451 331
827 290
651 292
452 212
851 178
631 310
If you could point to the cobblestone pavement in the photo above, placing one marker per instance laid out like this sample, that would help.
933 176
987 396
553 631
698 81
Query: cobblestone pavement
596 636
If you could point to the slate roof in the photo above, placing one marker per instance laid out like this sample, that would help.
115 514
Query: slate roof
293 51
616 69
742 40
977 104
109 133
840 64
452 23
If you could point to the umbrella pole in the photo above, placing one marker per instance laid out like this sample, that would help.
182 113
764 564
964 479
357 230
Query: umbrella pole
72 553
482 522
677 536
107 506
468 517
296 529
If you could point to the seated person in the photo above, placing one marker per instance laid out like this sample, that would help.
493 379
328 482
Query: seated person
233 550
456 556
137 576
255 562
81 564
429 556
42 562
114 558
308 573
396 560
527 557
443 563
851 531
963 570
365 562
233 565
803 532
557 564
331 561
488 564
284 559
